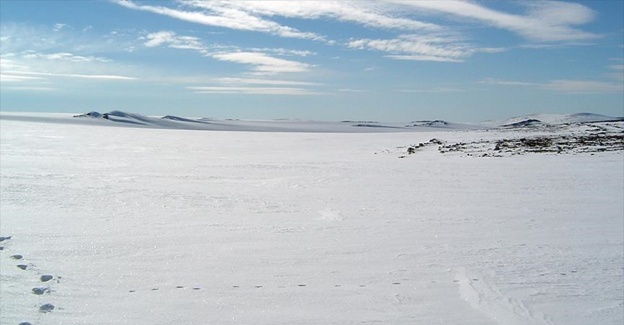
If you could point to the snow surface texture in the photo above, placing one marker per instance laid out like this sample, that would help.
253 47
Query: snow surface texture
157 226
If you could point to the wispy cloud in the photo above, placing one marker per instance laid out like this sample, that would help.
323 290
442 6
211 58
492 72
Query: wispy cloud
253 90
434 90
27 75
283 51
262 63
367 13
423 47
543 24
584 86
58 27
172 40
350 90
62 56
616 72
27 89
566 86
223 17
252 81
5 77
29 67
498 82
258 86
544 21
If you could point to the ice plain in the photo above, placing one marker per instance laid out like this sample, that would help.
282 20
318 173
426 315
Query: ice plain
172 226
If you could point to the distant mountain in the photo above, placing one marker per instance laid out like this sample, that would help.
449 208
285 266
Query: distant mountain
552 119
525 124
175 122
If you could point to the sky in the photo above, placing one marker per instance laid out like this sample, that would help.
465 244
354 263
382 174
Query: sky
385 60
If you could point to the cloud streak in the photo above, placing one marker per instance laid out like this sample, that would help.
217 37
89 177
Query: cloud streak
253 90
225 18
565 86
545 21
368 13
261 63
419 47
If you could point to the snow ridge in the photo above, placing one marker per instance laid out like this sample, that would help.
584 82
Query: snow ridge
486 298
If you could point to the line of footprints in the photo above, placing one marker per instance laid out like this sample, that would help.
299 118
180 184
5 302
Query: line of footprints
45 278
259 287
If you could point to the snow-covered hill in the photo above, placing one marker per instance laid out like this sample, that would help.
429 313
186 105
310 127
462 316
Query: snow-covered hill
553 119
120 118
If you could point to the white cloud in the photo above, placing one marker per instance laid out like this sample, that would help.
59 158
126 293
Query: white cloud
72 75
226 18
422 47
350 90
16 78
429 90
545 21
584 86
28 89
284 52
252 81
616 72
258 86
367 13
542 21
492 81
252 90
58 27
174 41
62 56
567 86
262 63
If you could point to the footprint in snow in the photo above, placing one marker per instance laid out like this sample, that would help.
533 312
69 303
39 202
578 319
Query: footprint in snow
4 238
40 291
46 308
17 257
46 278
22 266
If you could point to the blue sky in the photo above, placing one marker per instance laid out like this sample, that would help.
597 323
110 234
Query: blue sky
390 60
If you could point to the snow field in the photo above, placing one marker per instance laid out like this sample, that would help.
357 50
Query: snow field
155 226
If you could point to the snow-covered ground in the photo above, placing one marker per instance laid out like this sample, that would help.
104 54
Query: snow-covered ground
169 226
